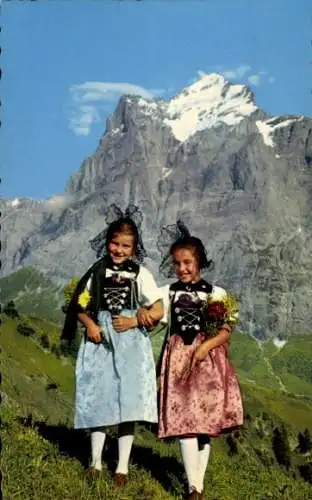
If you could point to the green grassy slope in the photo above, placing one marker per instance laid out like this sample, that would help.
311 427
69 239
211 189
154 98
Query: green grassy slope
34 468
43 457
27 371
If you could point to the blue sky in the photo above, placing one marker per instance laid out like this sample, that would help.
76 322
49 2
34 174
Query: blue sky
65 65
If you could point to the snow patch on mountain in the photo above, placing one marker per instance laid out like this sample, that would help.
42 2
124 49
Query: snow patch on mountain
266 131
148 108
279 343
267 128
115 131
166 172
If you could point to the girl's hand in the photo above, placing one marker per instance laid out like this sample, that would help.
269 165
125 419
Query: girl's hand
94 333
199 355
123 323
145 317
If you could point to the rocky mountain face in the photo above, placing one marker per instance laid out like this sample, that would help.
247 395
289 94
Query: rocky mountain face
241 180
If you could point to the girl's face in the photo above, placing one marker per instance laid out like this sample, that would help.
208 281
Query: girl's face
185 265
121 247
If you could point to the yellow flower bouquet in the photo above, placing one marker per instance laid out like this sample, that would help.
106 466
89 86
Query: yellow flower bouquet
84 299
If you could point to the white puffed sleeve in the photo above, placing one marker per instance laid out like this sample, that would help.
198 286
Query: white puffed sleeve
164 290
148 291
218 293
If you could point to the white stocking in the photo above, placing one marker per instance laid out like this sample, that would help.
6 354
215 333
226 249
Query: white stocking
97 445
124 450
190 455
204 453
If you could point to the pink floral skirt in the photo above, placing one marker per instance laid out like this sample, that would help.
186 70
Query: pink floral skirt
208 402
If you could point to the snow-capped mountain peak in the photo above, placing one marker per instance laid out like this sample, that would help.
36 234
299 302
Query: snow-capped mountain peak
208 102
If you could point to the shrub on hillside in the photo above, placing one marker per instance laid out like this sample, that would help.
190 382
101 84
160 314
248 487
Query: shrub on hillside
52 385
304 441
25 329
264 455
10 310
281 446
69 290
44 341
56 350
306 472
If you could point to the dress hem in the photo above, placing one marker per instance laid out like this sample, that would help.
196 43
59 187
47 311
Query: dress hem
220 433
111 424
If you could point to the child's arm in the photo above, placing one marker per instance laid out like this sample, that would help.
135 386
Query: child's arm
221 338
93 330
149 317
150 299
202 351
145 317
123 323
159 311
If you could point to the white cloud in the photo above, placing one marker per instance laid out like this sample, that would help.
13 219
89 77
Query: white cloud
106 91
58 201
82 119
91 98
236 73
242 73
254 79
160 92
201 73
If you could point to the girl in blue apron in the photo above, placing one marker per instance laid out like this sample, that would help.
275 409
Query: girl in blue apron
116 300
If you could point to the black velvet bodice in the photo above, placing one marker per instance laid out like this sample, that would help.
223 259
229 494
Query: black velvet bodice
118 292
187 309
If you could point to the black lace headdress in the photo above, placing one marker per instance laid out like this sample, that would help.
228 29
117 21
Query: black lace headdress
176 235
114 217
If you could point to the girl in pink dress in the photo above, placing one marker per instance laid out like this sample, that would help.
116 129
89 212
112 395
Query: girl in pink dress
199 391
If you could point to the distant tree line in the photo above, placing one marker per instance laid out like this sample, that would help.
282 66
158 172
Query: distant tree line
279 445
